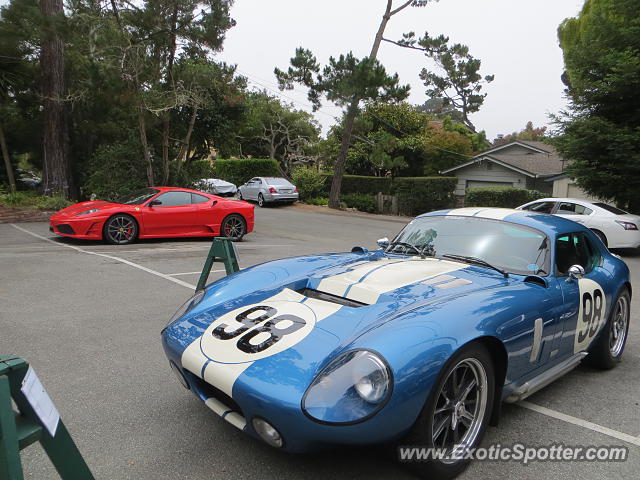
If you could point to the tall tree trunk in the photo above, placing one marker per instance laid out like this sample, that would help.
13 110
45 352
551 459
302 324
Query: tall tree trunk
57 175
166 120
142 127
352 111
184 153
7 160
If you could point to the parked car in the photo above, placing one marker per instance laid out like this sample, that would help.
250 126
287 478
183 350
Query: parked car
615 227
157 212
417 342
215 186
268 190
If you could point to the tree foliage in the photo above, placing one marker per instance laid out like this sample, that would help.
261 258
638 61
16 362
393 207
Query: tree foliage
458 82
600 135
528 133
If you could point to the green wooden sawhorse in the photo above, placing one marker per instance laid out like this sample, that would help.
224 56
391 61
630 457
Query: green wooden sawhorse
223 249
20 429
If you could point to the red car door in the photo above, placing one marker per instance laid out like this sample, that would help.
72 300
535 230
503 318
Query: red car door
170 214
207 218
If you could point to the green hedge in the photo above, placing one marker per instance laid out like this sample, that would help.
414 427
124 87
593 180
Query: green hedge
506 197
360 184
239 171
362 201
417 195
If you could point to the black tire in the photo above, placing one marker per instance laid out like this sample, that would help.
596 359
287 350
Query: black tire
608 348
441 415
261 202
121 229
240 195
602 237
234 227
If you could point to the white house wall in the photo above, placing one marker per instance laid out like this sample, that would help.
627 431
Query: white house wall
496 174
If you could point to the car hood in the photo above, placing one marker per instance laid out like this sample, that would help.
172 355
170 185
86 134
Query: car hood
84 206
323 312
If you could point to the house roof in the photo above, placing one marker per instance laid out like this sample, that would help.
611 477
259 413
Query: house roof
543 161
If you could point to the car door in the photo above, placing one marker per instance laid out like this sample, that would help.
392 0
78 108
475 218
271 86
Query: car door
249 190
205 213
574 211
585 298
170 213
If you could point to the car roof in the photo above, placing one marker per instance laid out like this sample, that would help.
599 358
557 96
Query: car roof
171 189
546 223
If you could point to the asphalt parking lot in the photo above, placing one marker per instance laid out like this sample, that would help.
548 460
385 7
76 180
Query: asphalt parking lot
88 315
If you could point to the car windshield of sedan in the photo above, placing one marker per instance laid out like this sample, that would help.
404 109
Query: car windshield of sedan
508 246
138 197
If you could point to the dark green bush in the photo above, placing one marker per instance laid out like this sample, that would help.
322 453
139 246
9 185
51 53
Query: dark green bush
360 184
418 195
116 170
192 172
239 171
317 201
505 197
362 201
310 182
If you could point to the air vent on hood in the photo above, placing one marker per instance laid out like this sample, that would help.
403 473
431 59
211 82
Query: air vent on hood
328 297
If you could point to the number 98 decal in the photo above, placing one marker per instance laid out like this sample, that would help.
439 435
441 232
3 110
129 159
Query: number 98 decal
259 331
591 313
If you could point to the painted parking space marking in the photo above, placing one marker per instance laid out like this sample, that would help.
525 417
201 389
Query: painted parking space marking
192 273
625 437
110 257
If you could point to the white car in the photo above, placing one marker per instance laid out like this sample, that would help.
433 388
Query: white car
616 228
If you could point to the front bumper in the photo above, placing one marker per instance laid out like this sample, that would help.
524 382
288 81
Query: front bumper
77 227
280 405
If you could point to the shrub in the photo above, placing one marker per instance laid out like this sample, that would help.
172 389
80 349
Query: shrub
360 184
116 170
317 201
194 171
33 201
362 201
52 203
17 199
239 171
418 195
506 197
309 182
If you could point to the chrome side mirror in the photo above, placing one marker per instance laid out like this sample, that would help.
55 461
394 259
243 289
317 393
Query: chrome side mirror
575 272
383 242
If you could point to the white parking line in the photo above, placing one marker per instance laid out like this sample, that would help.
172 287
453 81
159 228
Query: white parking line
111 257
581 423
192 273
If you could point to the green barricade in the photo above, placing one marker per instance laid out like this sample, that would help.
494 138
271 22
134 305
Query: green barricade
224 250
36 420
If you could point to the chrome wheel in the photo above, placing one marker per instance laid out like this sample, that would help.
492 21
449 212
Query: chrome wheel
233 227
121 229
460 406
619 323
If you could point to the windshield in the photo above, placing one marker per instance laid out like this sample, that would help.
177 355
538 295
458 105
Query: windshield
610 208
276 181
138 197
514 248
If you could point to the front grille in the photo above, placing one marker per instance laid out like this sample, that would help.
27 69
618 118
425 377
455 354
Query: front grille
64 228
209 391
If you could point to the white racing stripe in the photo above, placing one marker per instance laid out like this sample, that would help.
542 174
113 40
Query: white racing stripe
220 362
366 283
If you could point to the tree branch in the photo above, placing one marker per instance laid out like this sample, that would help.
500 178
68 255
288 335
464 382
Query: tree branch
400 8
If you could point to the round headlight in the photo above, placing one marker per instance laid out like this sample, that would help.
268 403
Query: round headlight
267 432
353 387
371 378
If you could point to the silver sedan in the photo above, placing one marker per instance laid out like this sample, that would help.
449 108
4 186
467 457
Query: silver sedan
268 190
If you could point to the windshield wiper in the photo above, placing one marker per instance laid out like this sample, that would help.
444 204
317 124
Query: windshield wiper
404 244
476 261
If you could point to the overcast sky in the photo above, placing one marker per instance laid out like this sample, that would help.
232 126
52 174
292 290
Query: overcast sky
515 39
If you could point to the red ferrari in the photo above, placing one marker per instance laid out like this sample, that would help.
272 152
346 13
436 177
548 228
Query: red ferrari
156 212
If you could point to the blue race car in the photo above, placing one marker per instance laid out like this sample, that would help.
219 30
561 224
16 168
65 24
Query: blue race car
419 341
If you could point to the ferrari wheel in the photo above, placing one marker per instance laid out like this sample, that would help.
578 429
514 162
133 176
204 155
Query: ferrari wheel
260 200
233 227
456 414
120 229
607 351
